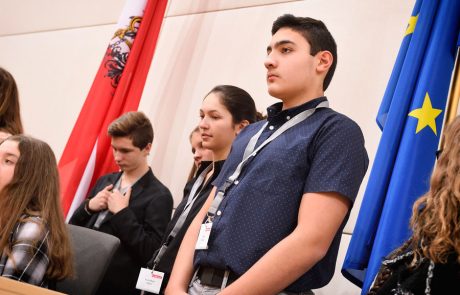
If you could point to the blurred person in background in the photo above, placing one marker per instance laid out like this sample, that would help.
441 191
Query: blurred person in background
10 115
429 261
34 242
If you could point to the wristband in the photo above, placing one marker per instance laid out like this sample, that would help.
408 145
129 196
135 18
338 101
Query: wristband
87 209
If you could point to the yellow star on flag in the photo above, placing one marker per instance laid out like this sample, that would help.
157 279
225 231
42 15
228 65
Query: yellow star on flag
426 115
411 25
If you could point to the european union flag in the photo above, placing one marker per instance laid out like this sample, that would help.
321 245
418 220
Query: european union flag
411 117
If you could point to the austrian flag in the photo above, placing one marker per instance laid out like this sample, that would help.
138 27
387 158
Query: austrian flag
116 89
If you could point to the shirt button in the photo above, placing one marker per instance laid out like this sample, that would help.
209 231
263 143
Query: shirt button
236 182
219 213
288 117
271 127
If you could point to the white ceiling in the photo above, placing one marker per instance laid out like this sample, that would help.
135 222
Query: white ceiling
31 16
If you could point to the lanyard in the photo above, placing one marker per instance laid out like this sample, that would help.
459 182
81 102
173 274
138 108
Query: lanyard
250 152
103 214
196 185
193 195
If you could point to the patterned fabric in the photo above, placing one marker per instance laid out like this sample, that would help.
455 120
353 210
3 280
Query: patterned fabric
29 260
197 288
425 278
324 153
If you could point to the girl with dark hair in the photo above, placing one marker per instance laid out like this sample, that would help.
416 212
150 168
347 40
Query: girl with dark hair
225 111
10 116
429 262
34 243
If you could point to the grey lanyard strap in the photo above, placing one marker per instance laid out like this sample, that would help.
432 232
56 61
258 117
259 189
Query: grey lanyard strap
196 185
180 221
103 214
250 152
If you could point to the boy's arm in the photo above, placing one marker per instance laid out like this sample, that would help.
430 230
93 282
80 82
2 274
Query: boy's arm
320 217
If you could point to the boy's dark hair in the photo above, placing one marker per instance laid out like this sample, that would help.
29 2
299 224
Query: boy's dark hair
134 125
316 34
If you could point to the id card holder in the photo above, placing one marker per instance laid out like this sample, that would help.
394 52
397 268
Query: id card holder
150 280
203 236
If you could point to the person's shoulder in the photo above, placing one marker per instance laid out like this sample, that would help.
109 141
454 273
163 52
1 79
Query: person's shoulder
154 184
332 119
257 124
252 128
331 115
30 228
106 179
110 176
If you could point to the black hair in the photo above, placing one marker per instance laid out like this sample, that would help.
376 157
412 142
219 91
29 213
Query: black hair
316 34
238 102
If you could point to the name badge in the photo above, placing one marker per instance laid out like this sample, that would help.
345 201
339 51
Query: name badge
203 237
149 280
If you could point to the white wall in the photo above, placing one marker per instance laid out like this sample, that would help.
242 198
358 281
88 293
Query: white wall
54 48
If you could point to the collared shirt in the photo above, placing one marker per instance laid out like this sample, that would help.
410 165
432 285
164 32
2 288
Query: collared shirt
324 153
29 253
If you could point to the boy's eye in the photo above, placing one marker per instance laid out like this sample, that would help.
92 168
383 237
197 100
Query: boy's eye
286 50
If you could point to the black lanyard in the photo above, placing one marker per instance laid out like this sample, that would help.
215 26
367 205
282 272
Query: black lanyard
193 195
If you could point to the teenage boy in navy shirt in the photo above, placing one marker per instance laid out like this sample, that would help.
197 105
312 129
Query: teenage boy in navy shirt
278 227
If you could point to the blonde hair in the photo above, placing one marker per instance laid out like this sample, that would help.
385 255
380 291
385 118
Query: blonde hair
194 168
436 215
435 220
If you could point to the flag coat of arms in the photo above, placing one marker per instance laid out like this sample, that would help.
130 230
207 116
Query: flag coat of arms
116 89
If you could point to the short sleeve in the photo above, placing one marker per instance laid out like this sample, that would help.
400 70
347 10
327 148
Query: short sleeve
338 158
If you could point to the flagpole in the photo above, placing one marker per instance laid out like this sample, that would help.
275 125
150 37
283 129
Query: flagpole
453 97
454 93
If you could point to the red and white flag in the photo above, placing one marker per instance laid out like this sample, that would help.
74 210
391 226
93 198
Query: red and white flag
116 89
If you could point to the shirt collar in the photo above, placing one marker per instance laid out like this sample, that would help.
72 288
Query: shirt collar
276 113
217 166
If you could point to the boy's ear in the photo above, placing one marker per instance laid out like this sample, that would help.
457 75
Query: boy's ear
325 60
148 148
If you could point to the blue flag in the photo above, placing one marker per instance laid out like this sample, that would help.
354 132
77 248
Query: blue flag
411 117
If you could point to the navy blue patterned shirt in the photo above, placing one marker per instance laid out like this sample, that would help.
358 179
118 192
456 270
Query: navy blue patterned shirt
324 153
